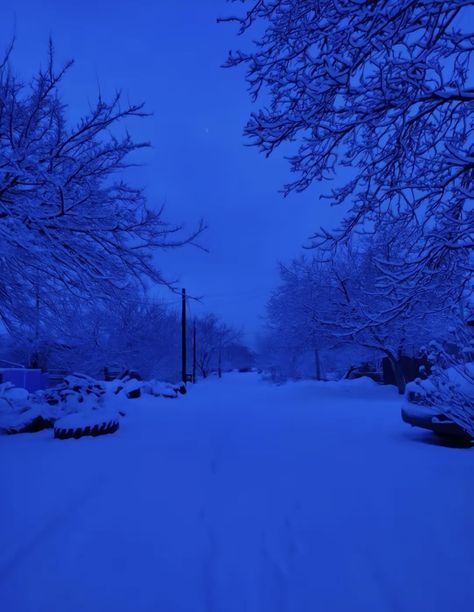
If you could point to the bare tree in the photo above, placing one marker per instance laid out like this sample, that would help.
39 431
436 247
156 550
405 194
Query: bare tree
342 303
139 333
213 337
68 219
383 90
294 310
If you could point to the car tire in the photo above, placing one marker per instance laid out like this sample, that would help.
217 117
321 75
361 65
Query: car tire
66 433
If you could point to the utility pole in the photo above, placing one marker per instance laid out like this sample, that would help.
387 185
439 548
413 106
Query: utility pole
183 335
194 351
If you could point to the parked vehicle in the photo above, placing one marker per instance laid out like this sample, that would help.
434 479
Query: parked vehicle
433 419
365 369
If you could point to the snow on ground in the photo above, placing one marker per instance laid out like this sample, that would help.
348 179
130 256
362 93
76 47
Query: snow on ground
241 496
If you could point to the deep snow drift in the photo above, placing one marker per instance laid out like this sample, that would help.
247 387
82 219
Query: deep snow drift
240 496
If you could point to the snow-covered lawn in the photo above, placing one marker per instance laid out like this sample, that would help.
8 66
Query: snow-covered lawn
241 496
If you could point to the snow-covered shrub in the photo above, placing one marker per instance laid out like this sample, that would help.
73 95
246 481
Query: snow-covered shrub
450 388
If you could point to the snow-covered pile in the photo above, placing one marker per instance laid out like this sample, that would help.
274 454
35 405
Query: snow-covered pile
20 413
133 388
23 412
79 399
11 396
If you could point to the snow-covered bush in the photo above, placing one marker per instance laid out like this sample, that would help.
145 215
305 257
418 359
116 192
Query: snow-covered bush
450 388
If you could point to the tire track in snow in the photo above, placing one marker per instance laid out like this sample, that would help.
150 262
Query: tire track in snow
273 581
52 525
209 566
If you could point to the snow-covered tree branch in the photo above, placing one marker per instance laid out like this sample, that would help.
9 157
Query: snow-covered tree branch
383 91
384 88
68 220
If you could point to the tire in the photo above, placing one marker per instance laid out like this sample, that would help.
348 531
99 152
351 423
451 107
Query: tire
66 433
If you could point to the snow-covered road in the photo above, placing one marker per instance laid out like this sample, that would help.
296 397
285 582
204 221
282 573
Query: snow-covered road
241 496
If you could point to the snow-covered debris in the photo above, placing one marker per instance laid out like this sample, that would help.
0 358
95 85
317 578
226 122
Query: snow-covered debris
130 388
10 394
133 388
163 389
17 414
79 397
32 419
72 391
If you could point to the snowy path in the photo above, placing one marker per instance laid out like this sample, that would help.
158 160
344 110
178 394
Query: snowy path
241 496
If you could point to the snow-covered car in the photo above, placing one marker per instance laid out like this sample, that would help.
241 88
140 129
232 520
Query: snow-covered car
430 418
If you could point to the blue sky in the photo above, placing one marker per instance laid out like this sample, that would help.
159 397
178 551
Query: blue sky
168 54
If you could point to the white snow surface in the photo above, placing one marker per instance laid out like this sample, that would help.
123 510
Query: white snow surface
87 418
240 496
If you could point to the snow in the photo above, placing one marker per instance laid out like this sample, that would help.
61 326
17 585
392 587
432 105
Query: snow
87 418
9 394
240 496
420 411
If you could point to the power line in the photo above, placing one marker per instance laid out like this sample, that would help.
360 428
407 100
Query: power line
250 292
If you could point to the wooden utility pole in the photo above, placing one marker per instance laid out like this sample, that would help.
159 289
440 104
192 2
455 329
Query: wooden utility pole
194 351
183 335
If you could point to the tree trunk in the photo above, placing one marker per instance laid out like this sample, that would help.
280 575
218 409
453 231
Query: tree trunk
397 373
317 362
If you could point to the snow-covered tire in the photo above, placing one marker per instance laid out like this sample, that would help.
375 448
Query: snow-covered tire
38 423
99 429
